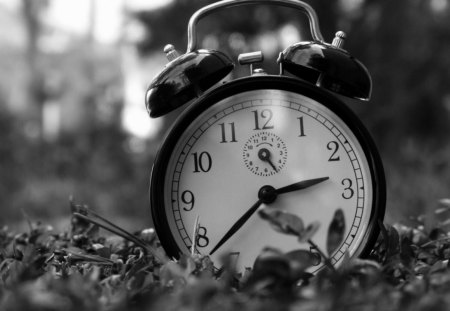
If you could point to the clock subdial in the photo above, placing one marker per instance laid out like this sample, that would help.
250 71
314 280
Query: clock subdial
265 154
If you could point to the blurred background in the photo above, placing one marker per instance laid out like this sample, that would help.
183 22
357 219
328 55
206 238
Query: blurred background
73 75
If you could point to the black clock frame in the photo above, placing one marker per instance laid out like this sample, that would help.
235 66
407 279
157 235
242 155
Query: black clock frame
216 94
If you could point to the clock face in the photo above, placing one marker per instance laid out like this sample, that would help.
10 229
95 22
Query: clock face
228 146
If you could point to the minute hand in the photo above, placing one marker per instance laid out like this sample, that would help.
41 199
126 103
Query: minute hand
300 185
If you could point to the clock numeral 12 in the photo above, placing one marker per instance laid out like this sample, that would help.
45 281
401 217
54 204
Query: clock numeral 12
266 114
232 133
202 162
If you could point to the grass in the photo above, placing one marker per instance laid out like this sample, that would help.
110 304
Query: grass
82 268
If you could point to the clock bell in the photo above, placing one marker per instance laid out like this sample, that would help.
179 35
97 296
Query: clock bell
189 75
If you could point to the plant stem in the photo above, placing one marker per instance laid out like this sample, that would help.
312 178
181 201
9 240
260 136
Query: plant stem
327 260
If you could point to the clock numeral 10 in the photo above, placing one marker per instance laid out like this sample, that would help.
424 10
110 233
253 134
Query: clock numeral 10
265 115
224 134
202 162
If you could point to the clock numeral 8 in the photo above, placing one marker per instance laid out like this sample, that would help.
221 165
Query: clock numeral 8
202 240
202 162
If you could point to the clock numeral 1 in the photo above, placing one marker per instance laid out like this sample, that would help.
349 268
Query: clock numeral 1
202 162
302 127
267 115
232 133
333 146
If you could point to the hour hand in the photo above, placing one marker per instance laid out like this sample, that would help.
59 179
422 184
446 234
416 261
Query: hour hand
264 155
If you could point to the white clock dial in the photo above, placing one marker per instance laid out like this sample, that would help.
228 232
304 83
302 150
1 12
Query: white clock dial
258 138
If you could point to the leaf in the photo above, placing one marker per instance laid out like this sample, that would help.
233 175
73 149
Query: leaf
306 235
282 221
445 202
336 231
301 259
392 242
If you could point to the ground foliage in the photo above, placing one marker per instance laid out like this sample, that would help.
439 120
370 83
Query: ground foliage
82 269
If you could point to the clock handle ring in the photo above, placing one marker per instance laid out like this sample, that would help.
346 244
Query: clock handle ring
302 6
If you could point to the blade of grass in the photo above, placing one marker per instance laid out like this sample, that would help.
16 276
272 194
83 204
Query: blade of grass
122 233
194 234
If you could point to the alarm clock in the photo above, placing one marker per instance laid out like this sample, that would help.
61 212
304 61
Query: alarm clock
282 142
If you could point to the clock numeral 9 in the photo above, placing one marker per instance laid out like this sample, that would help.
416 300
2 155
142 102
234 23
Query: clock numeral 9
187 197
202 162
348 190
265 114
232 133
334 147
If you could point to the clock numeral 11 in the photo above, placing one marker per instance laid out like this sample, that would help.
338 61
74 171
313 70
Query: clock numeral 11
232 133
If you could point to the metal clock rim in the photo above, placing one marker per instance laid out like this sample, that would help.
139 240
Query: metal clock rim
266 82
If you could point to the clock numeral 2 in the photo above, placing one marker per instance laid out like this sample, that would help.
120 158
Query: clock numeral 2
333 146
224 134
267 115
202 162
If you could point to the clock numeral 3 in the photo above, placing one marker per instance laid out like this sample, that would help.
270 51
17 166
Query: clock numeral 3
348 191
202 162
333 146
187 197
267 115
224 134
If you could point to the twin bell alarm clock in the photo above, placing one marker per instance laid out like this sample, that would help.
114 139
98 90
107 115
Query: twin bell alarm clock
284 143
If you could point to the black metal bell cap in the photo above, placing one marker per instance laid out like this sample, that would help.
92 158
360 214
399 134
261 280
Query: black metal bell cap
185 78
328 67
